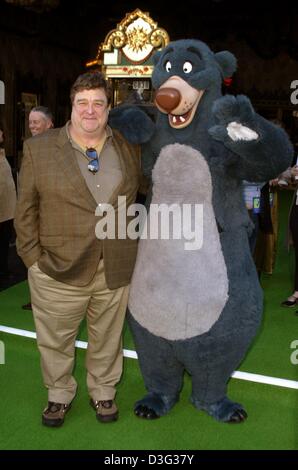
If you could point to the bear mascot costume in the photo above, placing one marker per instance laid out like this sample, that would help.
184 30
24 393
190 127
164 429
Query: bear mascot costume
196 305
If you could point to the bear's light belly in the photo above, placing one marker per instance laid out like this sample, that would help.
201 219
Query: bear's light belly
180 286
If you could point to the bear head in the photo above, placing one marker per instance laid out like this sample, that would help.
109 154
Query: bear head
188 73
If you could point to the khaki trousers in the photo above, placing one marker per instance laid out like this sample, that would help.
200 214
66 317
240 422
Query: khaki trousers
58 310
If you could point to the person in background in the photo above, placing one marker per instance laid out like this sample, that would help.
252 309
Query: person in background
252 199
7 209
266 245
66 175
40 120
289 180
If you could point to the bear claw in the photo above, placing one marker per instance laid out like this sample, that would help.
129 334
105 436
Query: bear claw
237 417
142 411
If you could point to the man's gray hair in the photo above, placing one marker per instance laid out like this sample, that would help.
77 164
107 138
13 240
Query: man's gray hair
44 110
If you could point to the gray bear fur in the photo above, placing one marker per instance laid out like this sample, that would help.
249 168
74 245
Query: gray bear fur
199 311
173 289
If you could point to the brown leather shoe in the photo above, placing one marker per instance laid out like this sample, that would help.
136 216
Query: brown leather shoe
106 410
53 415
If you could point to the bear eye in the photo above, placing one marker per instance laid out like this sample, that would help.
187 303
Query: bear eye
168 66
187 67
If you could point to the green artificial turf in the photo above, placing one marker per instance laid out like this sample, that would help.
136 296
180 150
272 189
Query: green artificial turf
272 410
271 423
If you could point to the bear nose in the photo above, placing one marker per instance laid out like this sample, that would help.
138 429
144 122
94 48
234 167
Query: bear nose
167 98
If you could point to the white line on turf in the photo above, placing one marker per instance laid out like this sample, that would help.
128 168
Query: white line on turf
263 379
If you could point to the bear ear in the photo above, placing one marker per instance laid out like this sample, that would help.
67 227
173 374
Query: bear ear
227 62
156 57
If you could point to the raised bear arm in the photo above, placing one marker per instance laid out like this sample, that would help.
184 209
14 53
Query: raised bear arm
260 149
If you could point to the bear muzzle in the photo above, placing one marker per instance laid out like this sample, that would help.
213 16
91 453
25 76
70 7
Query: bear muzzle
179 100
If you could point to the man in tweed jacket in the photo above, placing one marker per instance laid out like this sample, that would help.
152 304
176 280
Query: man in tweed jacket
66 173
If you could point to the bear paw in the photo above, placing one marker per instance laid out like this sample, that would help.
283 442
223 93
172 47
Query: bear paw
154 405
235 119
143 411
225 411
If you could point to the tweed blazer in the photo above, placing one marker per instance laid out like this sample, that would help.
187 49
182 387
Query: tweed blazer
7 190
55 216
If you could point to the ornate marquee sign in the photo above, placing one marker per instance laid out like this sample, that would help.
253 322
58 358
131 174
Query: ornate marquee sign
127 50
